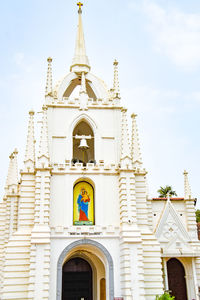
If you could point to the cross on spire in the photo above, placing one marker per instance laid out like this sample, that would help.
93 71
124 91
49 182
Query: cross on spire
80 5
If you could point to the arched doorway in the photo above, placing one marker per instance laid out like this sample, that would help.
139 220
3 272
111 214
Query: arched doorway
176 279
77 280
100 261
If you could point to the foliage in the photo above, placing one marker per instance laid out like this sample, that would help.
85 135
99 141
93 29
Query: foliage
165 296
198 215
163 191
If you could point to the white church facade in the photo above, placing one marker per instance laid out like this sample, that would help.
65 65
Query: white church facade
77 224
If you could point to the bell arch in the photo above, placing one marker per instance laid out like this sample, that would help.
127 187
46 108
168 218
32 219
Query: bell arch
93 126
87 244
83 143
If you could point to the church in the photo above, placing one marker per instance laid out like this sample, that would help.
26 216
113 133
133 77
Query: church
76 222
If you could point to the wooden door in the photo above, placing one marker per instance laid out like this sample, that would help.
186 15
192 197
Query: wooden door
176 279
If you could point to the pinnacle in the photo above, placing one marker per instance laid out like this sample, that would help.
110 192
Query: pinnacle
12 177
30 144
125 147
116 92
187 189
135 151
43 147
48 89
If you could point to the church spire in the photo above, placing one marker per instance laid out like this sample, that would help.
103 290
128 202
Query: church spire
29 160
116 80
135 149
48 89
125 147
80 62
187 189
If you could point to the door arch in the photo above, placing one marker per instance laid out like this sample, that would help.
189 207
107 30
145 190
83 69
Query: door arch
98 248
176 279
76 279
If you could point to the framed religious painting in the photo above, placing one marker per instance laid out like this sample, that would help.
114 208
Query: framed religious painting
83 204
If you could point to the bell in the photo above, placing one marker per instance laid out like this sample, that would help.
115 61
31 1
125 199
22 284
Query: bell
83 144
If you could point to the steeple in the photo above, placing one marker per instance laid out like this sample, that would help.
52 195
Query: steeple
135 149
29 160
116 91
125 147
187 189
80 62
48 89
43 146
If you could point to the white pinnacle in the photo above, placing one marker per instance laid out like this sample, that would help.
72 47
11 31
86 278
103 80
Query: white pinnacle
125 147
43 146
116 80
48 89
12 177
135 149
30 145
80 61
187 189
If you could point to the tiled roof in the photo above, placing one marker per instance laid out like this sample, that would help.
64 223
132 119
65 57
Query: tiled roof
173 199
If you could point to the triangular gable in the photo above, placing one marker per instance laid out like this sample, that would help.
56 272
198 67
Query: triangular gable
170 226
177 243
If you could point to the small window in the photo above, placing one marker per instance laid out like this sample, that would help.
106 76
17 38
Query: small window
83 204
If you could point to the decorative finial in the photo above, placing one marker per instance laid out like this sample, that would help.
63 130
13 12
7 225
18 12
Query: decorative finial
80 5
115 63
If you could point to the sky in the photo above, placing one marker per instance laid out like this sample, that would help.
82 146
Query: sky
157 44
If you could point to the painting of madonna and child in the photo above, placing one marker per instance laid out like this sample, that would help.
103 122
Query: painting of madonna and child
83 204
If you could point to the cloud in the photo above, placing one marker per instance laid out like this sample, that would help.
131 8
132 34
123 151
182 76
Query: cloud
175 34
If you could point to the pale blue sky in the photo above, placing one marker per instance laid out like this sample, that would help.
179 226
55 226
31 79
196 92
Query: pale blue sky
157 44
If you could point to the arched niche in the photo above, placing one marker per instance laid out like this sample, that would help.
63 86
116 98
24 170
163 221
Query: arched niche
83 203
84 155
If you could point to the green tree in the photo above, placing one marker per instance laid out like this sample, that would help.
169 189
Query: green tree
163 191
198 215
165 296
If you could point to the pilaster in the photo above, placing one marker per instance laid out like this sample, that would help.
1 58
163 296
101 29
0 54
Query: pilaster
40 236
